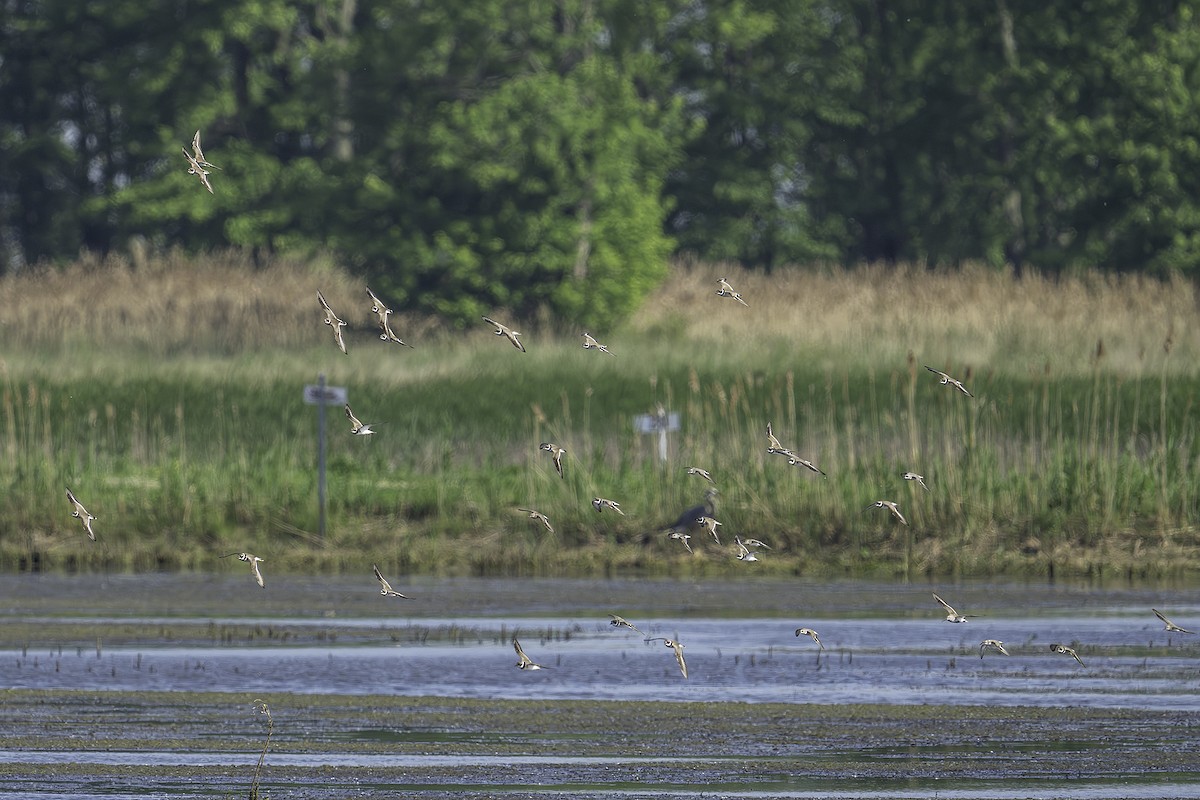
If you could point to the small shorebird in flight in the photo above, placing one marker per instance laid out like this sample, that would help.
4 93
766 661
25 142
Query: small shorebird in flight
1168 625
194 168
1066 651
726 290
507 332
621 622
253 560
198 154
557 453
333 321
524 661
912 476
386 588
774 447
888 504
197 163
709 524
810 633
951 614
703 473
744 553
539 516
678 648
682 537
756 543
589 342
356 426
946 379
386 333
82 514
600 503
992 644
797 461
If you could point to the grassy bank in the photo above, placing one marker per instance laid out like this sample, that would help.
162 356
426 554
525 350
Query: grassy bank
168 396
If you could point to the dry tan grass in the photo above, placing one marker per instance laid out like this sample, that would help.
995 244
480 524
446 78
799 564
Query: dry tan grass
222 303
976 316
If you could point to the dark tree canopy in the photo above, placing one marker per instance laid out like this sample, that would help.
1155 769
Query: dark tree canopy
552 155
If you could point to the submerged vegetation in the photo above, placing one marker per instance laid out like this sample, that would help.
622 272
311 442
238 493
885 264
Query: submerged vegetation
167 395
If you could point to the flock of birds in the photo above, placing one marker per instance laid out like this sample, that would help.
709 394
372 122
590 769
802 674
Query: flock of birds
995 645
698 518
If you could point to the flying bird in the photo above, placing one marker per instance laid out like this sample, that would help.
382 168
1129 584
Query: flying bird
356 426
810 633
703 473
589 343
332 320
795 461
681 537
690 518
197 164
773 445
951 614
725 290
946 379
888 504
557 453
992 644
539 516
912 476
198 154
744 553
709 524
621 622
507 332
524 661
1168 625
678 648
386 588
386 333
254 561
600 503
82 514
194 168
1066 651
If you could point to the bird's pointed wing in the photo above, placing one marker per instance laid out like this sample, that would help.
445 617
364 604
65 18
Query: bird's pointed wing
354 421
379 306
257 573
387 587
324 303
949 608
678 648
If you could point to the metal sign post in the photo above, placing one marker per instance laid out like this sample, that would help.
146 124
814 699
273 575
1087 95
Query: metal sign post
320 396
660 423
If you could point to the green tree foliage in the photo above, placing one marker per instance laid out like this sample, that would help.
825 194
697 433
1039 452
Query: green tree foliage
548 156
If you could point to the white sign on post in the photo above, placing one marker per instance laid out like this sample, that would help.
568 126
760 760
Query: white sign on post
316 395
658 423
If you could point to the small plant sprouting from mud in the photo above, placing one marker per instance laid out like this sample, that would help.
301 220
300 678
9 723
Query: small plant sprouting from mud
262 708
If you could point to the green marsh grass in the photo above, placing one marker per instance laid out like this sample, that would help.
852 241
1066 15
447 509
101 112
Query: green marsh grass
167 394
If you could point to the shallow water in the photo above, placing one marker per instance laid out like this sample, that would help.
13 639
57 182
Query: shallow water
884 644
889 644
